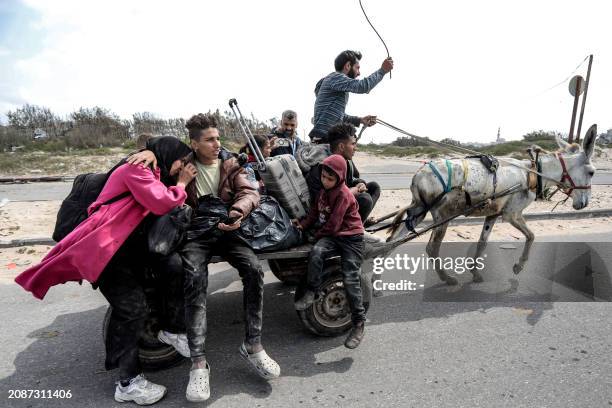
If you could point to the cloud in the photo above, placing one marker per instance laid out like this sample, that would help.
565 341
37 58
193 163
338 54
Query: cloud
459 73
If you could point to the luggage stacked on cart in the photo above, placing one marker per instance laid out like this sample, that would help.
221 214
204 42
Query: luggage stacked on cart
281 174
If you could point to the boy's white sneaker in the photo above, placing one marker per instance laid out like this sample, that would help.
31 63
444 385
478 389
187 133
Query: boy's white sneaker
140 390
178 341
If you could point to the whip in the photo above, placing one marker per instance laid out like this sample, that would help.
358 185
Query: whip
376 31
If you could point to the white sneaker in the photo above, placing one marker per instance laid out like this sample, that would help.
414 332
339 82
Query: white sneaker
140 390
178 341
198 388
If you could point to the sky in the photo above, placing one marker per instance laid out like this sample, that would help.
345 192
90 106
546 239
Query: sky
462 69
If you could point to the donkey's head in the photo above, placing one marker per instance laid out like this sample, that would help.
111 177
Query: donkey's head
579 167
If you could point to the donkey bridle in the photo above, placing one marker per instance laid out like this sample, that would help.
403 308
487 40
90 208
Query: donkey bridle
566 176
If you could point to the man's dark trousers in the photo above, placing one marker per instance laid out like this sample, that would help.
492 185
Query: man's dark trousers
196 256
367 200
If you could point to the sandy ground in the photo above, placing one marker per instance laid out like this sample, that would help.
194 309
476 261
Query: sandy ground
34 164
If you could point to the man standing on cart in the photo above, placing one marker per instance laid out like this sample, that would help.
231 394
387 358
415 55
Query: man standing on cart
332 94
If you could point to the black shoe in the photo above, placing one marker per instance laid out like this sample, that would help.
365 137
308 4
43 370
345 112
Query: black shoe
305 301
355 336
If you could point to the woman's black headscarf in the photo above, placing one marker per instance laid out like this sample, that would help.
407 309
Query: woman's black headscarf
167 150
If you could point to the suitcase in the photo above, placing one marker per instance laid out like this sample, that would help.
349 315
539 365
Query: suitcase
281 174
284 181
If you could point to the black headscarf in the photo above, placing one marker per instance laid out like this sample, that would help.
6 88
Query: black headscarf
167 150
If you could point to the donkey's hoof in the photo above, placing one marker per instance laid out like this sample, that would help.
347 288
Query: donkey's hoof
517 269
451 281
477 278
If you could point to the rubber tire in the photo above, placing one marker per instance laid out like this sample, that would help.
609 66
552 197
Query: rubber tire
154 355
314 321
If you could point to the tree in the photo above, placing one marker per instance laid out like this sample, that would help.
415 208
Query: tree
31 117
95 127
539 135
404 141
450 141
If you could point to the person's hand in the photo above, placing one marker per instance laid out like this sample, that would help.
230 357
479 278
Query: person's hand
273 142
235 225
297 224
144 158
187 173
368 121
361 187
387 65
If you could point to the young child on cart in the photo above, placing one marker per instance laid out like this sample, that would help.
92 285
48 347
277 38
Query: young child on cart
340 231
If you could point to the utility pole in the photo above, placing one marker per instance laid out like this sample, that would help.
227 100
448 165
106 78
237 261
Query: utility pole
575 88
586 90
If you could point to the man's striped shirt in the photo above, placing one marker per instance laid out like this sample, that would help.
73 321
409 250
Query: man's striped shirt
332 96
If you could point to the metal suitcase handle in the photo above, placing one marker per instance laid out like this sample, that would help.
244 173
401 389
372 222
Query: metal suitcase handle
261 161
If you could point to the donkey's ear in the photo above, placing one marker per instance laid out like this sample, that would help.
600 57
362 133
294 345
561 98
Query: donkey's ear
588 145
563 145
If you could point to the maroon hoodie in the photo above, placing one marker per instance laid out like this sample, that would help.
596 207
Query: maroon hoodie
336 209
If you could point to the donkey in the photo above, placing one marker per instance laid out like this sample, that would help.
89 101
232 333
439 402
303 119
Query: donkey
472 182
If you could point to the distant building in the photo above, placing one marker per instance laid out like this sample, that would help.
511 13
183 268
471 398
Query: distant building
499 139
605 138
39 134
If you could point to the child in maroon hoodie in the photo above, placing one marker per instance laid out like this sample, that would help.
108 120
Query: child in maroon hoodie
341 232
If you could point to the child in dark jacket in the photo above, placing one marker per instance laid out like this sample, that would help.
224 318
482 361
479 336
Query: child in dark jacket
250 166
341 232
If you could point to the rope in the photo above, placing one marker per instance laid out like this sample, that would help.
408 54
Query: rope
565 80
466 150
518 105
376 31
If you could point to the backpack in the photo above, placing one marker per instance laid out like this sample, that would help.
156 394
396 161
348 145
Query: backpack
85 189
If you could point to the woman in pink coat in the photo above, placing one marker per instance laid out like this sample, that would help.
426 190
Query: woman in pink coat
109 249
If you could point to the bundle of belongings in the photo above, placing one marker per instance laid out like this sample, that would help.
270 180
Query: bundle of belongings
309 155
267 228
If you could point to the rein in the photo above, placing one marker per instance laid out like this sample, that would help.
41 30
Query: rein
560 184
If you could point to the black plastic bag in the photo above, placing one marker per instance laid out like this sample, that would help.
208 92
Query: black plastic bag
168 231
269 228
210 212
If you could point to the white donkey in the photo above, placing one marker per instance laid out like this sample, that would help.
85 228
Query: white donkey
471 182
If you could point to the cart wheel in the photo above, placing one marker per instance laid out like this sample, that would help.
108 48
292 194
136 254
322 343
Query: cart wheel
289 271
154 355
330 314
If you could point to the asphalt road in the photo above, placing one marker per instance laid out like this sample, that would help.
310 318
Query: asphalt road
388 180
501 343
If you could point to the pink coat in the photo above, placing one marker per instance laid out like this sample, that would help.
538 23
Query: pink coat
85 252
